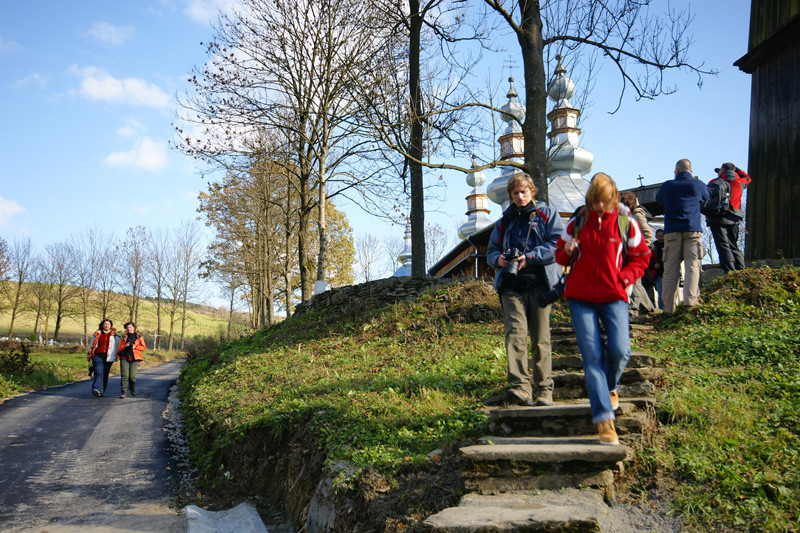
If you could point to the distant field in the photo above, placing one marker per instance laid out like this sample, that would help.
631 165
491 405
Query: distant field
200 321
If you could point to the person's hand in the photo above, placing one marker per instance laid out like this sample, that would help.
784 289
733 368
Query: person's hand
523 262
502 260
571 246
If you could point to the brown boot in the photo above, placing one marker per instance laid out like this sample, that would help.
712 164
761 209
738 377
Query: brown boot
608 435
614 400
544 397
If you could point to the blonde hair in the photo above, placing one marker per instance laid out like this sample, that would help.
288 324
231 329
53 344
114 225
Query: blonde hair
602 189
520 179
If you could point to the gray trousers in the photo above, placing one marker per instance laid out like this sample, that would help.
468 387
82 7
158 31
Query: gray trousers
522 316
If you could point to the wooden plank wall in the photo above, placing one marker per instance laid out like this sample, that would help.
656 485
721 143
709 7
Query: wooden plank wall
773 203
767 16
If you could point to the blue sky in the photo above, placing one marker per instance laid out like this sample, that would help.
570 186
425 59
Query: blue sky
87 99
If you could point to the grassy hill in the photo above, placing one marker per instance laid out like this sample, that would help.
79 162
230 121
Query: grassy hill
382 399
201 321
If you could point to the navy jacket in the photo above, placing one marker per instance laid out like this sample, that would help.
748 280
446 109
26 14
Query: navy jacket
682 198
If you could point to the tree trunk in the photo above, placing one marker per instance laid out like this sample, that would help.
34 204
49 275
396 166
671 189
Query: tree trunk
322 222
415 147
535 126
14 310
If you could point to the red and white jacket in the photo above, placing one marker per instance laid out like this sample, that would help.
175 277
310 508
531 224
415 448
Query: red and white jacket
600 273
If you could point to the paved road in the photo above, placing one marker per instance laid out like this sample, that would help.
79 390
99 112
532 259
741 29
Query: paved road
73 462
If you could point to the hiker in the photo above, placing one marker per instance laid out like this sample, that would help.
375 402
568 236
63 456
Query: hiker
129 354
724 223
657 265
101 354
605 248
640 298
522 247
683 233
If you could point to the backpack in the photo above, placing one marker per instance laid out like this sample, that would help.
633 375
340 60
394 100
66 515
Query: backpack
623 221
719 203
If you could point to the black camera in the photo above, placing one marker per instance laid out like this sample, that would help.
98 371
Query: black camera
513 265
553 295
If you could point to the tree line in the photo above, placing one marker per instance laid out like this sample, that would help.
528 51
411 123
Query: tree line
92 273
300 104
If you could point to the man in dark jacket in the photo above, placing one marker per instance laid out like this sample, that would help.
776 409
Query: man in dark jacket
725 226
683 232
531 228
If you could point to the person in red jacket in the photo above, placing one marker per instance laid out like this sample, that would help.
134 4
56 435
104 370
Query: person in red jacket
130 353
102 353
603 271
725 226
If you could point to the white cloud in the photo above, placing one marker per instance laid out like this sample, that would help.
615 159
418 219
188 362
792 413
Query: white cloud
27 81
205 11
131 128
146 154
8 46
9 208
108 33
98 85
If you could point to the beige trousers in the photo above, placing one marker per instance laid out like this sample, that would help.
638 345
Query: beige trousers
523 316
686 247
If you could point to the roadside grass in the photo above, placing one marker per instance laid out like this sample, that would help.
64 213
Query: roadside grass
729 451
49 368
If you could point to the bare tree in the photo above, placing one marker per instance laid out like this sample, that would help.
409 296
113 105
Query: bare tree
187 241
41 296
158 248
369 250
21 265
60 269
133 257
438 242
286 69
107 276
88 250
642 47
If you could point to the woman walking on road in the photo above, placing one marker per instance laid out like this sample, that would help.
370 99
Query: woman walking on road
611 256
130 353
102 354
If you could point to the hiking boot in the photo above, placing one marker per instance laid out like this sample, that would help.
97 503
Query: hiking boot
614 399
122 395
608 435
133 392
518 397
544 397
96 393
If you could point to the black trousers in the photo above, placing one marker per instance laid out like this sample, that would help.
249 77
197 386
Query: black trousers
726 239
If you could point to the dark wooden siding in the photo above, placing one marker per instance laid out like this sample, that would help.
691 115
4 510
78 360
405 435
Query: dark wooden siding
773 199
767 16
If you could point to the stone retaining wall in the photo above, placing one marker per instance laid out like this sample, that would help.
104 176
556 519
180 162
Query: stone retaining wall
371 294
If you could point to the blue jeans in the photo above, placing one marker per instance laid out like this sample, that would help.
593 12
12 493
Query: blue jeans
101 370
603 363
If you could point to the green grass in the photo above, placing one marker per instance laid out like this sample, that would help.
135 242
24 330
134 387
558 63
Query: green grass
731 410
381 391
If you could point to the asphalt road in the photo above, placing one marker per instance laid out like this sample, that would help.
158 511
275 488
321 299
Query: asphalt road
73 462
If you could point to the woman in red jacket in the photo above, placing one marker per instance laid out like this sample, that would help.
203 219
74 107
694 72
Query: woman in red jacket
130 353
604 269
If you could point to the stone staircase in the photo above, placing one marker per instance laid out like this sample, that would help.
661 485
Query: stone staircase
543 468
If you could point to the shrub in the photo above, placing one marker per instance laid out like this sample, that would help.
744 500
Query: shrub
15 358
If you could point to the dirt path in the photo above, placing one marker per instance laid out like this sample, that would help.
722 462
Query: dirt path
73 462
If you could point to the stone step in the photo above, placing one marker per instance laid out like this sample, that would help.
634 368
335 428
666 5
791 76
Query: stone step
634 382
547 511
528 463
573 361
566 419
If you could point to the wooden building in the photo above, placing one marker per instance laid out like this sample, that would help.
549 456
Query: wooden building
773 60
